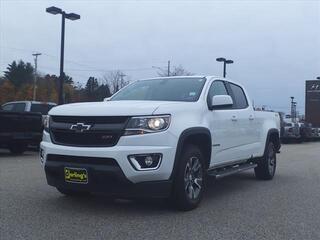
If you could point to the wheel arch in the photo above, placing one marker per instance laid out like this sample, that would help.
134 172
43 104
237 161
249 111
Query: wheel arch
199 136
273 136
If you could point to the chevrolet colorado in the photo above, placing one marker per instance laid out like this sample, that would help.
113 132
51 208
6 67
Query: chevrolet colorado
159 137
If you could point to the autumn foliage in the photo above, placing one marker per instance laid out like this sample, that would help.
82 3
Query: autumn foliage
17 85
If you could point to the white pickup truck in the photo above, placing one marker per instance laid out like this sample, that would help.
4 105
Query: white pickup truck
161 138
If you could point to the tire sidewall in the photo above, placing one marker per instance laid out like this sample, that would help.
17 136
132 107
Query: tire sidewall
182 200
271 146
262 171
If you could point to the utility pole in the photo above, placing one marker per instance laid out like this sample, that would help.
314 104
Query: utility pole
169 68
35 74
121 81
121 77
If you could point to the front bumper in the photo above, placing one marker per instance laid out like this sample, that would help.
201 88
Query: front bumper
109 180
118 179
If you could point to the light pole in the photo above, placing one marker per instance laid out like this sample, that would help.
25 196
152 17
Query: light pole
35 74
225 62
293 103
70 16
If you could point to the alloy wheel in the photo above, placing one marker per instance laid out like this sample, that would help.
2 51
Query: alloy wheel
193 179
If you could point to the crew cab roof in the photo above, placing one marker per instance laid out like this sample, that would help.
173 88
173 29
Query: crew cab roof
193 76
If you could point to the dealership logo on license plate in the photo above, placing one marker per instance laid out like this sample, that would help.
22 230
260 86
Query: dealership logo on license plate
75 175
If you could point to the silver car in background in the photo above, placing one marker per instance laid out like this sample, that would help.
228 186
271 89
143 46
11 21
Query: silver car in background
291 132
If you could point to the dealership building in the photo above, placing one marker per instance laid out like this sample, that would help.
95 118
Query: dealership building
313 102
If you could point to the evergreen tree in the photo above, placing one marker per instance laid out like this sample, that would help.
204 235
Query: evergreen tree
19 73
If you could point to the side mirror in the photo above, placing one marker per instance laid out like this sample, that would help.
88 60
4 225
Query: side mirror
220 101
106 99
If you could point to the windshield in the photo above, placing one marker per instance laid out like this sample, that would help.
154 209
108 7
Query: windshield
174 89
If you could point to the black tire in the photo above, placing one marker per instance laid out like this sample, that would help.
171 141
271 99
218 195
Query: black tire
69 192
189 179
267 165
17 148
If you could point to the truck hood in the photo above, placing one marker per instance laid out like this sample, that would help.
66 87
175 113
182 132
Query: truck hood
110 108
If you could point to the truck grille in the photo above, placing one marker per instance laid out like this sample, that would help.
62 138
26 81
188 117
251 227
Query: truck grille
83 131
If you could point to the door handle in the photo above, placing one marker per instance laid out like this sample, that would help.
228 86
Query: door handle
234 118
251 117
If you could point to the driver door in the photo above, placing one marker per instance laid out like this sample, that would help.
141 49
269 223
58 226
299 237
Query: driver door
223 127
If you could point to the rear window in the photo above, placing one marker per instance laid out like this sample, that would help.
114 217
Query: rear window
41 108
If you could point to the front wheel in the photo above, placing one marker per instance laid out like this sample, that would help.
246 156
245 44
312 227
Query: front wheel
267 165
189 181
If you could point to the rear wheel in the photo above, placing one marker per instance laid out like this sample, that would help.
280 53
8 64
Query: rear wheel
17 148
267 165
189 181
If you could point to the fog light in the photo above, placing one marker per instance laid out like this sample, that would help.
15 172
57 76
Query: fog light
144 162
148 161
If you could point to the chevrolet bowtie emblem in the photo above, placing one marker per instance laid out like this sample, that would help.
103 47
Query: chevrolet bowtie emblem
80 127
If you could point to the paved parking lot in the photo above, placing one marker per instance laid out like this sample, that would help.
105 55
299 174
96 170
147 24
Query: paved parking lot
237 207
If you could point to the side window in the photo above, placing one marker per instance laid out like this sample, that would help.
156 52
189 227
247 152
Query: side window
19 107
217 88
7 107
239 97
14 107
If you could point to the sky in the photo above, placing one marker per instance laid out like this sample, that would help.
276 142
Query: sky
275 45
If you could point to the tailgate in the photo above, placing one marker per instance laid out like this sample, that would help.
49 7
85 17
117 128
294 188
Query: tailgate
20 122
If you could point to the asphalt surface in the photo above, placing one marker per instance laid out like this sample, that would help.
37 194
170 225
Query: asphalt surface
237 207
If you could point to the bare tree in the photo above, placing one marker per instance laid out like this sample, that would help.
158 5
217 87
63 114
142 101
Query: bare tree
176 71
115 80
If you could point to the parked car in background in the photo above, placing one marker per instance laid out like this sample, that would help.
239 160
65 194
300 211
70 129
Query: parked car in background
19 129
29 106
290 132
305 132
315 133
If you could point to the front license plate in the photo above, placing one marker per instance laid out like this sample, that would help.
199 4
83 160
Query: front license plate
76 175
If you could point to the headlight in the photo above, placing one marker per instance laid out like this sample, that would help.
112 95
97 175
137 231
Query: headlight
46 123
147 124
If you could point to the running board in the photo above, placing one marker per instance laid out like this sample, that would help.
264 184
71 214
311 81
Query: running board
226 171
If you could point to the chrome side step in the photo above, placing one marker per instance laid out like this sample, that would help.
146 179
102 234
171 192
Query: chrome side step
226 171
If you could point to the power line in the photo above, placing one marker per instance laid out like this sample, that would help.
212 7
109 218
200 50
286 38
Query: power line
91 68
